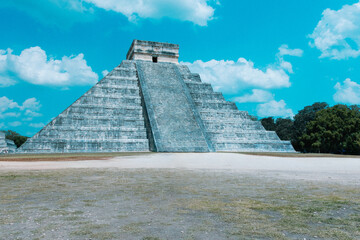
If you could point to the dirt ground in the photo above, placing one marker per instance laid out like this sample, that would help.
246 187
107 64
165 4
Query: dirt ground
181 196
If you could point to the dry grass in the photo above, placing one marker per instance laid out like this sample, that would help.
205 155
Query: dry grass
165 204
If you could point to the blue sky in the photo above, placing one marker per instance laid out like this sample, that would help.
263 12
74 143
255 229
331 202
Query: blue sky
271 57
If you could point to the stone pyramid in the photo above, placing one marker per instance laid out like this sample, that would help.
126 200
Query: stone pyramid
152 103
6 145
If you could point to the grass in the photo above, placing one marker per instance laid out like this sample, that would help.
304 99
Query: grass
173 204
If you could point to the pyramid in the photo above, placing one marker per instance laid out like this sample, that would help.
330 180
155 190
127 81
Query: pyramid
6 145
150 102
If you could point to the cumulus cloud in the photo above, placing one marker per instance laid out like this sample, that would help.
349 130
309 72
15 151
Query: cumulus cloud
337 35
348 92
231 77
36 125
9 108
64 13
34 66
284 50
257 95
31 104
6 104
14 124
274 109
196 11
105 72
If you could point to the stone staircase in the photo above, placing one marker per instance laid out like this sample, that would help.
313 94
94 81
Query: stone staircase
228 128
170 111
107 118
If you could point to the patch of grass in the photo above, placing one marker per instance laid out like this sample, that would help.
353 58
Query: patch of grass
173 204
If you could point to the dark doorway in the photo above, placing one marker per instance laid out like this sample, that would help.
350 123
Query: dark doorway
154 59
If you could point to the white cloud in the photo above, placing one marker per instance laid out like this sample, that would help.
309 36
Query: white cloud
274 109
34 66
10 108
337 35
196 11
105 72
31 104
14 124
257 95
231 77
348 92
30 113
6 104
36 125
284 50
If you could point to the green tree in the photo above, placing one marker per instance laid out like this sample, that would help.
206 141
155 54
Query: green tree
301 120
268 123
284 128
16 137
333 130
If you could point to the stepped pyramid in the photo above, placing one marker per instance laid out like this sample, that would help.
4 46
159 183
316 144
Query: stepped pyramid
6 145
152 103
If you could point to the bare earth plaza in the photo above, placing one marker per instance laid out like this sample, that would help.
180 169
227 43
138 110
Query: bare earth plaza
179 120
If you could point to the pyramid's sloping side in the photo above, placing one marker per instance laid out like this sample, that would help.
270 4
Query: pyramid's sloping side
228 128
107 118
171 113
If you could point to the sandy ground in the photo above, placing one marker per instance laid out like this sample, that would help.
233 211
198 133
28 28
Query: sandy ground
341 170
181 196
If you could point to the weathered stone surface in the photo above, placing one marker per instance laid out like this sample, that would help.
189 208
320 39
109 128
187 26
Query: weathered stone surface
143 105
6 145
153 51
174 125
107 118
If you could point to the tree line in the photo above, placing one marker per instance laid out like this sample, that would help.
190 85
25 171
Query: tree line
16 137
320 128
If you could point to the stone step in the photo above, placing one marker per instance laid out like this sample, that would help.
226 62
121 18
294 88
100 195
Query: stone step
124 72
195 87
104 111
122 81
127 64
103 117
122 91
220 114
201 97
215 105
90 99
121 145
99 135
270 146
112 95
183 69
96 128
118 87
99 122
191 77
231 127
111 106
219 136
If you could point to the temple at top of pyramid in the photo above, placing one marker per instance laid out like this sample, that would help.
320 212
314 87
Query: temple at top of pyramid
153 51
150 102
